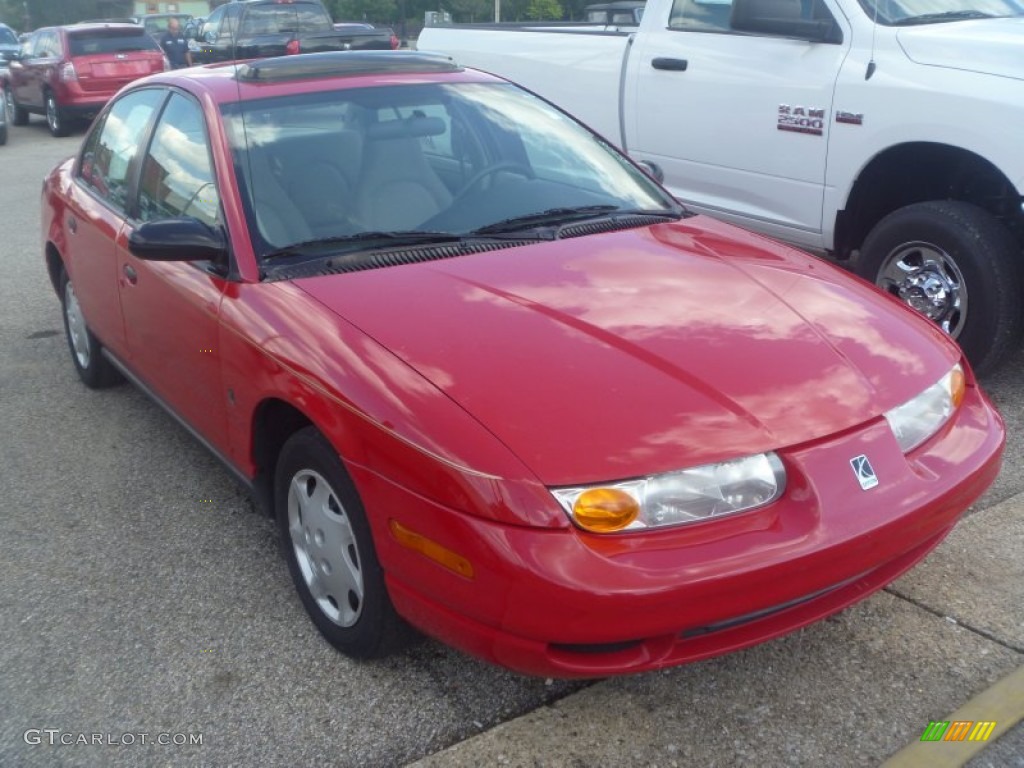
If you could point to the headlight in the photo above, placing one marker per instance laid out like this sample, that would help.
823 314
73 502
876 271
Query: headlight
921 417
686 496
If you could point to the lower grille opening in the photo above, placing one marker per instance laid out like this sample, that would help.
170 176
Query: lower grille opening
592 648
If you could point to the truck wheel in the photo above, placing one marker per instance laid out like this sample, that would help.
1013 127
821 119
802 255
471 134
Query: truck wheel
957 265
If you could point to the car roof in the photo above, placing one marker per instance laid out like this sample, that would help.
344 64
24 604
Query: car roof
228 82
98 25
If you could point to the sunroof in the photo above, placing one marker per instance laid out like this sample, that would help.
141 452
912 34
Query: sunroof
344 63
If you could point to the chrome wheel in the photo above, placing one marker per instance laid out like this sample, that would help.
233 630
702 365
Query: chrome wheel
927 279
77 329
325 547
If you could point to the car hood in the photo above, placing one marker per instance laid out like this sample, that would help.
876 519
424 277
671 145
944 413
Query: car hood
641 351
988 46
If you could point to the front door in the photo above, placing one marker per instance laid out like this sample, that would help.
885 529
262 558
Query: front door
738 121
172 309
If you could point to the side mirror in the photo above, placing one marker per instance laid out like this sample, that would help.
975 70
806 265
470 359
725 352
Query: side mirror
209 37
652 170
184 239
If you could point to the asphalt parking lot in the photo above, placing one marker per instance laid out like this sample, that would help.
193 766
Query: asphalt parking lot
144 603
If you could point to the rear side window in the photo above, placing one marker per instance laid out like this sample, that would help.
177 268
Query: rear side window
275 19
109 151
110 41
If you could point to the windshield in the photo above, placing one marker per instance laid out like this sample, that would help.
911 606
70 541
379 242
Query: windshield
909 12
434 159
7 37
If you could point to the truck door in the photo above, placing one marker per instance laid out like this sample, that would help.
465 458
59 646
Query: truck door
739 118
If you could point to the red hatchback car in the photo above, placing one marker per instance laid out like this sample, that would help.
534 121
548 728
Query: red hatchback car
491 379
69 73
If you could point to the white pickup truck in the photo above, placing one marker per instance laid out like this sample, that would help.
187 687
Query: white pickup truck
888 134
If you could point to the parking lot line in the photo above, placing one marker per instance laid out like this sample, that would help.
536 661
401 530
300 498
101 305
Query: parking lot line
981 721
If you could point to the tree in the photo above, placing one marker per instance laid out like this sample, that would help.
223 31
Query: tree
26 15
373 11
543 10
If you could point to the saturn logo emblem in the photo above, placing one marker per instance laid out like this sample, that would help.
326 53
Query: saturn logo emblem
864 471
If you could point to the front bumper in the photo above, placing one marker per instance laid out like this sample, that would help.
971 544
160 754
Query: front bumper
564 603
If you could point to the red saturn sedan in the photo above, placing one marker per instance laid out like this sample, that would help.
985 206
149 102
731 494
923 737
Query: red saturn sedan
494 382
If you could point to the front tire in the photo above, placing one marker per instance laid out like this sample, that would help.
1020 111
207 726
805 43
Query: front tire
957 265
95 371
55 119
329 549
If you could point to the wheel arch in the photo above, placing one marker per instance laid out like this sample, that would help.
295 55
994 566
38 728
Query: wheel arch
916 172
54 265
273 421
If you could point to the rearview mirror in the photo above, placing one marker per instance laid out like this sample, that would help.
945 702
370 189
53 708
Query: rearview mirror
184 239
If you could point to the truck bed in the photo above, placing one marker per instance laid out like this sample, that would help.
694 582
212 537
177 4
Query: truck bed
592 63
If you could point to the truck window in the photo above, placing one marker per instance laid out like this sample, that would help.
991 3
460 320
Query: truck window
700 15
715 15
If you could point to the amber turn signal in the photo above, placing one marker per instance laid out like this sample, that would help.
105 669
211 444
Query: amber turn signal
603 510
957 386
431 549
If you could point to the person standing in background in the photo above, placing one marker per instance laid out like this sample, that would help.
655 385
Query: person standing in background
175 45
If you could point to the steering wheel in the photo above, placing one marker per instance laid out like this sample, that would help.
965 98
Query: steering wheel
506 166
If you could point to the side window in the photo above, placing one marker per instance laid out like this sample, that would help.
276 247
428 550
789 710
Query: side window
701 15
177 178
28 48
212 23
717 15
48 45
108 154
231 14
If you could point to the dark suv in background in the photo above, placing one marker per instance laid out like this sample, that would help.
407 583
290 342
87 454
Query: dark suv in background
255 29
68 73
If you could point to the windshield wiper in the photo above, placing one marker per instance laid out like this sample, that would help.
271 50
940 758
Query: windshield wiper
560 216
548 217
362 239
929 18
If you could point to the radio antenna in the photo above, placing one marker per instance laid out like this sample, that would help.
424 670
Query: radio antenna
874 28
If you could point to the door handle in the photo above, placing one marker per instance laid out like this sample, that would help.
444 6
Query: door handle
129 274
73 224
673 65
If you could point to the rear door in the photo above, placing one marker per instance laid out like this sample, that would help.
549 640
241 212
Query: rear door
107 59
96 211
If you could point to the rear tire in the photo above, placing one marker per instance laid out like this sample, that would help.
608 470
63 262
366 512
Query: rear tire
19 115
959 266
95 371
327 543
55 119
